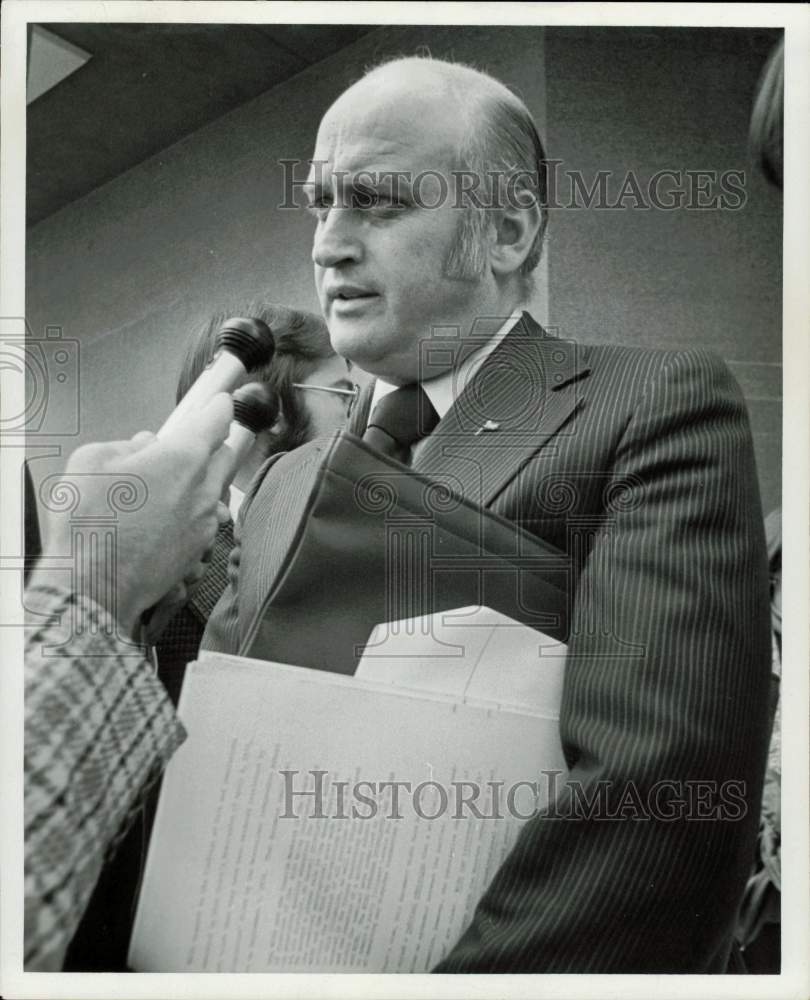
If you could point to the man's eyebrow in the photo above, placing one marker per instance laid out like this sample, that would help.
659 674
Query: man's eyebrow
382 180
360 180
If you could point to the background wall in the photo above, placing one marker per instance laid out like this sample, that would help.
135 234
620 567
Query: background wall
137 265
133 268
647 100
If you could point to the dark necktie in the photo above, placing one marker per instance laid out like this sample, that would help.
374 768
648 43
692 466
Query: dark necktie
399 420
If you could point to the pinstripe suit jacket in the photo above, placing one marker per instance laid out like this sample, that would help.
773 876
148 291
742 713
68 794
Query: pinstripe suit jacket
639 465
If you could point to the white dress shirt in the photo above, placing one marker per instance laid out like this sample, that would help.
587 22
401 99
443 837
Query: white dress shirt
235 501
443 390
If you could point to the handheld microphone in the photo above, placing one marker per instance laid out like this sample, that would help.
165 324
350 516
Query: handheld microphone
242 346
255 409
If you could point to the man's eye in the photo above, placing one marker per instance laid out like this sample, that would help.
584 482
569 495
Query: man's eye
375 201
363 198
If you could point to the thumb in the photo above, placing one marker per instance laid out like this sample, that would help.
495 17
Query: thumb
141 439
214 420
96 457
207 426
123 449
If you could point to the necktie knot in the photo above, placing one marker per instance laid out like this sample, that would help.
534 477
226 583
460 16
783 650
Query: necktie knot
400 419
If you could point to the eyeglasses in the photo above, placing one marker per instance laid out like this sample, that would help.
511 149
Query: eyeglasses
351 394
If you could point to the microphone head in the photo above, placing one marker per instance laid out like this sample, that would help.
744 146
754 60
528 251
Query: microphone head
255 406
251 340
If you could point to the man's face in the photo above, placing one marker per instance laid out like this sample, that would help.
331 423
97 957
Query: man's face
381 244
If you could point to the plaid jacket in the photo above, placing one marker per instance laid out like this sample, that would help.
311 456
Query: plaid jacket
102 938
98 730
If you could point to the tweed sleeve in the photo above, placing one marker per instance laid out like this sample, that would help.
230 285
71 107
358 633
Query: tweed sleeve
99 728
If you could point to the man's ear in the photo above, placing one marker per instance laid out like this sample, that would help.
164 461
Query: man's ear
516 228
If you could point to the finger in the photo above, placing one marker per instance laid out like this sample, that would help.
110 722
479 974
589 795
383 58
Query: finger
142 438
220 470
101 456
209 425
139 441
195 574
201 431
174 595
223 513
116 450
207 535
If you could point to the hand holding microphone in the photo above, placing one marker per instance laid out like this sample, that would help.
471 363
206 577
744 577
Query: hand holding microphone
242 346
186 469
255 408
185 474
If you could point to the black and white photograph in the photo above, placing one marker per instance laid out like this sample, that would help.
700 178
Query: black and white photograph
404 410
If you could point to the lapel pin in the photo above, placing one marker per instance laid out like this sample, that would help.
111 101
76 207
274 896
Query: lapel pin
490 425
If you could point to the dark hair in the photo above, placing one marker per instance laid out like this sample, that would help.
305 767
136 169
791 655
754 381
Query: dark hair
767 117
302 342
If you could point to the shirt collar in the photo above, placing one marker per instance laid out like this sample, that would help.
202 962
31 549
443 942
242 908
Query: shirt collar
235 501
443 390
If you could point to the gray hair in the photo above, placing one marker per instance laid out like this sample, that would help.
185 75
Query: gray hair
503 149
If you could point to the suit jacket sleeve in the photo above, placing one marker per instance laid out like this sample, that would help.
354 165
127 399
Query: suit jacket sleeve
223 632
639 861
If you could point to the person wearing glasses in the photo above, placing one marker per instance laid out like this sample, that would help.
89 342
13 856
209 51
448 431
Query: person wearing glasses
316 392
316 388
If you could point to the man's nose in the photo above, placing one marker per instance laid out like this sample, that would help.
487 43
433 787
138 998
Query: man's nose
336 239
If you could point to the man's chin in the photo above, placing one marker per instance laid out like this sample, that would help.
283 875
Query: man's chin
360 343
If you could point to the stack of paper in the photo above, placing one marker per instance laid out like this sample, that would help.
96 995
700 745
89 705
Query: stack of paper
320 823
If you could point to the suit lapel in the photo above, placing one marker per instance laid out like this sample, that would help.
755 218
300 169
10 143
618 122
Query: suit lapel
520 397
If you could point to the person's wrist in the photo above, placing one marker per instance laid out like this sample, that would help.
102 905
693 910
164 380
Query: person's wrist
127 606
119 602
118 596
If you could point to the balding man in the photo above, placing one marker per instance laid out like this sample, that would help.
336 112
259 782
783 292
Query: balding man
427 188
